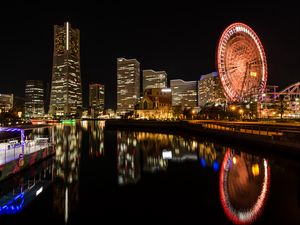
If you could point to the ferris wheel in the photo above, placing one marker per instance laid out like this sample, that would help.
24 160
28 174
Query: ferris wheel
241 62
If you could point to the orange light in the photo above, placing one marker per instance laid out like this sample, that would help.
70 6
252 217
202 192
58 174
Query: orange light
234 160
253 74
255 169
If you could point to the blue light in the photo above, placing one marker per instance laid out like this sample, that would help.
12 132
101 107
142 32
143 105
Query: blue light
216 166
203 162
13 206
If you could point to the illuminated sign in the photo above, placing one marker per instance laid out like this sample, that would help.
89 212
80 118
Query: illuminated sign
167 155
166 90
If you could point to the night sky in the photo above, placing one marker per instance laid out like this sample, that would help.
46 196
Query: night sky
180 39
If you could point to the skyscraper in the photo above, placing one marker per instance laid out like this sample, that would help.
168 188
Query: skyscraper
184 93
128 84
96 96
210 90
34 98
154 79
66 91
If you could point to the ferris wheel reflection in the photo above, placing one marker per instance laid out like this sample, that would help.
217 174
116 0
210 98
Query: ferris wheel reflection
244 186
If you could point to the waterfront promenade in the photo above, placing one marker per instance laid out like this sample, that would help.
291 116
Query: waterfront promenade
277 136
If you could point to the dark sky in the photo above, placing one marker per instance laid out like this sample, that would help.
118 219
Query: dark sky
180 39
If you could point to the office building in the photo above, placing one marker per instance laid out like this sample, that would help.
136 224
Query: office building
210 90
184 93
66 90
96 97
154 79
6 102
34 98
128 84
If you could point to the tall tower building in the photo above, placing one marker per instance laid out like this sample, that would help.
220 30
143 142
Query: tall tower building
154 79
128 84
34 98
66 90
96 96
184 93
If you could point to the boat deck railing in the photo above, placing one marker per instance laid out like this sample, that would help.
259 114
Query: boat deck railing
12 149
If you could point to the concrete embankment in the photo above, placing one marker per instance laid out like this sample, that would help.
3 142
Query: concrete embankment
264 143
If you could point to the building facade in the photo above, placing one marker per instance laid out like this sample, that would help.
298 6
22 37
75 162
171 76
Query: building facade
34 98
156 104
6 102
66 90
210 90
184 93
154 79
96 97
128 84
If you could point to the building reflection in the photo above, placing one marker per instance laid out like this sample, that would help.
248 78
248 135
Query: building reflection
128 158
96 138
244 186
151 144
67 159
244 178
211 155
157 150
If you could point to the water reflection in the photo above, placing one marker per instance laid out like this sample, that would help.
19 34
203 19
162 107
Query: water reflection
18 192
96 138
244 186
244 178
159 149
67 159
128 157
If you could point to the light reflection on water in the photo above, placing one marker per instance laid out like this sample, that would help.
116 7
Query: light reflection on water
244 184
243 179
66 192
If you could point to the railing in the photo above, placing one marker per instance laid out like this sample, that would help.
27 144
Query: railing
10 151
274 131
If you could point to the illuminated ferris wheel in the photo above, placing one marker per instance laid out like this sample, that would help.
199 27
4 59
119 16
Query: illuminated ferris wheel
242 64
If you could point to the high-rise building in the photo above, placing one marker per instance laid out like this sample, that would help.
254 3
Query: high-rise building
47 97
34 98
184 93
128 84
6 102
210 90
154 79
66 90
96 96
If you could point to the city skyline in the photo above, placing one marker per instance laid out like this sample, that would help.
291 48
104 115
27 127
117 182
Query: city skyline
181 43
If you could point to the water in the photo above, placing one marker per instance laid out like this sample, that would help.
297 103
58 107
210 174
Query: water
103 176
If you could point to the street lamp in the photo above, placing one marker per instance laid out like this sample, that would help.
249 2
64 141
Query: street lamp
193 113
241 111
